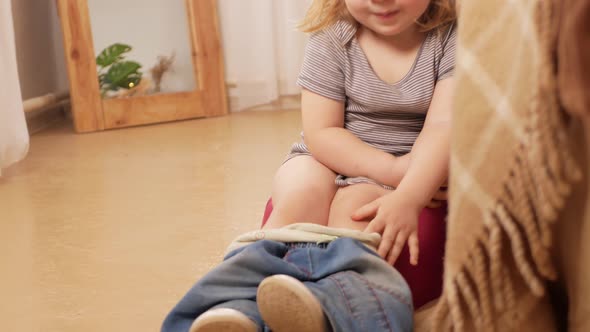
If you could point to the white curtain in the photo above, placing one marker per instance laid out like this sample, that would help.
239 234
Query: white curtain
263 49
14 137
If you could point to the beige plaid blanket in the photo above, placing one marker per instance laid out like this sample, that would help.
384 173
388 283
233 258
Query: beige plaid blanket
511 168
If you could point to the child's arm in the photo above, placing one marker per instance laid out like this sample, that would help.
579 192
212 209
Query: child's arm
339 149
396 214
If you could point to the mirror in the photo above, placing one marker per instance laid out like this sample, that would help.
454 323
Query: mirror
161 63
133 63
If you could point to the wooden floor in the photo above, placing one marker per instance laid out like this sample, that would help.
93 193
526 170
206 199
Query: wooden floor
106 231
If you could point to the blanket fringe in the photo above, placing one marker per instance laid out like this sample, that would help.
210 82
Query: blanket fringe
482 283
540 179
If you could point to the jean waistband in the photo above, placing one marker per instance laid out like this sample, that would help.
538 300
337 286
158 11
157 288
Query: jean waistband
295 245
305 233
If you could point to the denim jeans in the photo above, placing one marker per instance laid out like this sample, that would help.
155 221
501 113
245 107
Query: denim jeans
357 289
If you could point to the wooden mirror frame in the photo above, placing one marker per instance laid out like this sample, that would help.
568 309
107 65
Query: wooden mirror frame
93 113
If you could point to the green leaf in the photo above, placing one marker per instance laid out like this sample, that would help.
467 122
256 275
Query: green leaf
122 73
112 54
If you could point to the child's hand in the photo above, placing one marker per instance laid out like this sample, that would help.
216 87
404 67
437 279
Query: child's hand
438 199
395 217
434 204
441 195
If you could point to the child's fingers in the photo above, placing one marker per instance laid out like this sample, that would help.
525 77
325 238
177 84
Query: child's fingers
434 204
365 212
375 226
441 195
397 247
414 248
387 240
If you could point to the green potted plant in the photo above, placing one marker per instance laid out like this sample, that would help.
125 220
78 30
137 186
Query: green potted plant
114 71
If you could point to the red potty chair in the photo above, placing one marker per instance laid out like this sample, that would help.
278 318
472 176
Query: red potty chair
425 280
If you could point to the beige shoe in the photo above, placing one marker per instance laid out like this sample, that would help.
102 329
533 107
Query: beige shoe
223 320
286 305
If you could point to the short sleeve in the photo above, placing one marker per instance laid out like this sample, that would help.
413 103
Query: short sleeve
446 65
322 69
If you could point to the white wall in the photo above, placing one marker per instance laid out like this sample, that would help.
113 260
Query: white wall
263 49
61 73
41 63
152 28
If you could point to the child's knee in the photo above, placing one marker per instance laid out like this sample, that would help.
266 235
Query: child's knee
308 195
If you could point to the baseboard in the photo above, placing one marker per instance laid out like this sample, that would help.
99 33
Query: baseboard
255 93
284 103
42 119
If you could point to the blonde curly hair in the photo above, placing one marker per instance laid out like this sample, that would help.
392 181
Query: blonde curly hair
323 13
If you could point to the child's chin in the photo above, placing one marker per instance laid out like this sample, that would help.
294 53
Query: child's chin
387 31
390 30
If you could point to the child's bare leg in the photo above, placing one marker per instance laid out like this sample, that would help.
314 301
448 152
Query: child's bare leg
303 189
348 199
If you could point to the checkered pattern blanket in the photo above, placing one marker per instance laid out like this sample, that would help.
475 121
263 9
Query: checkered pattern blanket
511 168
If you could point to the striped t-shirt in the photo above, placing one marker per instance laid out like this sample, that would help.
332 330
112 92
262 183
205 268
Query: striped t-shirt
386 116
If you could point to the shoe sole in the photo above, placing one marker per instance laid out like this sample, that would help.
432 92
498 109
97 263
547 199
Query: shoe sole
286 305
226 320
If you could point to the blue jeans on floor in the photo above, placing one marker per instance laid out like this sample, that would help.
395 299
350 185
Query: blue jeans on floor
357 289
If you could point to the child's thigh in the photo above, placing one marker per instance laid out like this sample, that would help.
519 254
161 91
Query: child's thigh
303 190
348 199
